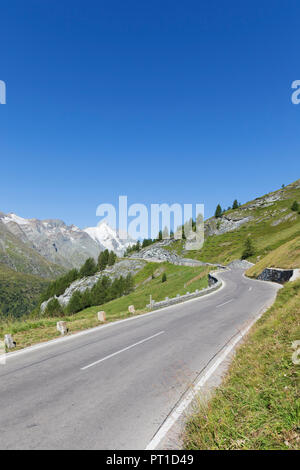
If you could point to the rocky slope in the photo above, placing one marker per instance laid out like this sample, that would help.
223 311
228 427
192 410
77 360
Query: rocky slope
122 268
269 221
258 210
158 253
20 256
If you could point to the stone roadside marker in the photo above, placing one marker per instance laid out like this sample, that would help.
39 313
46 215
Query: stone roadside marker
131 309
61 326
101 316
9 342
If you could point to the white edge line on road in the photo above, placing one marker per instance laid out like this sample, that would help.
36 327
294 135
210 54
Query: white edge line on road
228 301
55 341
120 351
187 400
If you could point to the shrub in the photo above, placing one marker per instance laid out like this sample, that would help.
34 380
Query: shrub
53 309
164 277
295 206
248 249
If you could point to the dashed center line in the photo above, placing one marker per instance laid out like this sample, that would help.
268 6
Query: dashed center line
121 350
228 301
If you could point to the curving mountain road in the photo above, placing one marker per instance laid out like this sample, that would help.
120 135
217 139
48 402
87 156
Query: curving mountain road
112 387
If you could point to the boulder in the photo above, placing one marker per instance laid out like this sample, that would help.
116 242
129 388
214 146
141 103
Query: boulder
131 309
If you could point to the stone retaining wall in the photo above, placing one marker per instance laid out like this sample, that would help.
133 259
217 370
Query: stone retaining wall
276 275
214 284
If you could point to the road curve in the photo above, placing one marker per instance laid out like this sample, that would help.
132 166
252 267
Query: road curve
112 388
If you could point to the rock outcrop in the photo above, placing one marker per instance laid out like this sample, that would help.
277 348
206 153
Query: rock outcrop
157 253
122 268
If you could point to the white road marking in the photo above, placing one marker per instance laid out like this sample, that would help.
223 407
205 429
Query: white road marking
228 301
121 350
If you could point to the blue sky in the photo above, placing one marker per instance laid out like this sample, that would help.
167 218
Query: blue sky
162 101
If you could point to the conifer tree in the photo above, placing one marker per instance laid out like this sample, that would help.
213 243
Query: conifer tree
248 249
218 212
88 269
74 304
235 204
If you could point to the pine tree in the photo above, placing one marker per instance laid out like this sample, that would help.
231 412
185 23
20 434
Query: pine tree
218 212
164 277
235 204
74 304
86 299
129 284
248 249
295 206
88 269
103 260
112 258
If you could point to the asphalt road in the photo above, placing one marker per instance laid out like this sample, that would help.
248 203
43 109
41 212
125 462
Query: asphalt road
112 388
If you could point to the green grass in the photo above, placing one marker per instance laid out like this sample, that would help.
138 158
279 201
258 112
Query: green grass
286 256
258 405
267 228
180 279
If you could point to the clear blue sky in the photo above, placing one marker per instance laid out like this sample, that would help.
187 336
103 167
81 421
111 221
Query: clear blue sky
163 101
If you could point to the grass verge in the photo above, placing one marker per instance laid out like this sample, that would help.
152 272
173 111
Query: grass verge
258 405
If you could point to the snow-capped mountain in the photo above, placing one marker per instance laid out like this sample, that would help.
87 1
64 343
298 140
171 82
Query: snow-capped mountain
105 236
68 246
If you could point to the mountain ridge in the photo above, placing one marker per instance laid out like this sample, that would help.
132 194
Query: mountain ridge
55 242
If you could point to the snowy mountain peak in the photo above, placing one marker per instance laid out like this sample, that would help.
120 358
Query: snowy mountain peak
68 246
108 237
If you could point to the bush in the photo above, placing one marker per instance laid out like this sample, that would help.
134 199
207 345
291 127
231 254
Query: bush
164 277
248 249
295 206
53 309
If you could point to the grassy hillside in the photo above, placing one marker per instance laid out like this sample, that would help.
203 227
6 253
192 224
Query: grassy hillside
285 256
271 223
19 292
179 280
258 406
